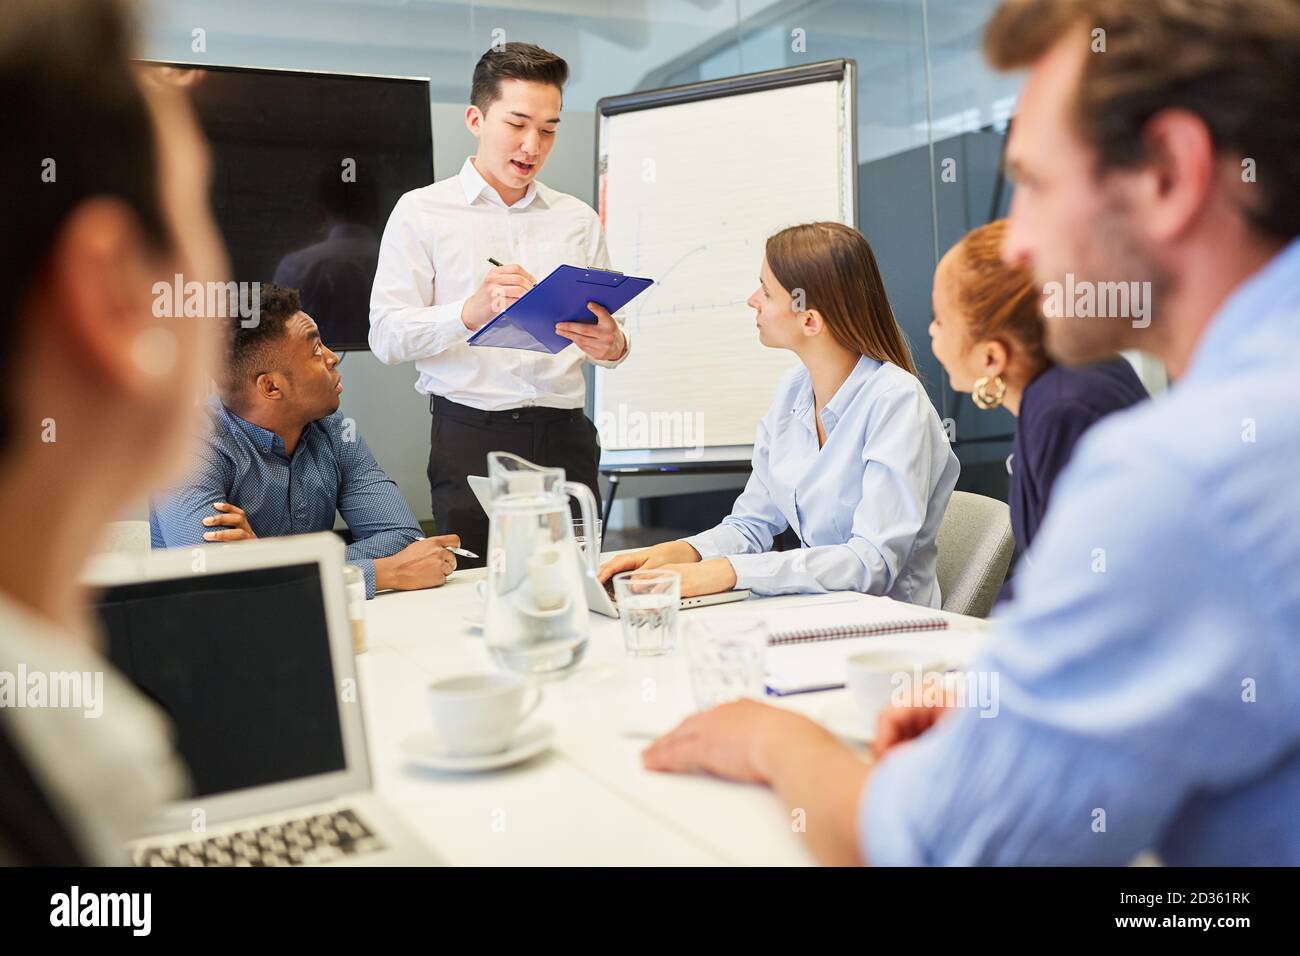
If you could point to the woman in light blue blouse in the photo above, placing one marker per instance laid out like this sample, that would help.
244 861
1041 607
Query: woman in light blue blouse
851 454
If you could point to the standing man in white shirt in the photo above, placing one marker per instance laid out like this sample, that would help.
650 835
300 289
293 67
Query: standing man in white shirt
435 287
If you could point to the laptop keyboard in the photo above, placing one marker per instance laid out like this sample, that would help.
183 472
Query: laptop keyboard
307 840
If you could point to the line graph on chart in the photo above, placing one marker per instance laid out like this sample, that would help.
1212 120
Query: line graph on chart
698 229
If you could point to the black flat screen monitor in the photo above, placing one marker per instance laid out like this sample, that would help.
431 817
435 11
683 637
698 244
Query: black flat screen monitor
306 169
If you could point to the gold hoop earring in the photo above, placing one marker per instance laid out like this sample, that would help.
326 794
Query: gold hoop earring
986 398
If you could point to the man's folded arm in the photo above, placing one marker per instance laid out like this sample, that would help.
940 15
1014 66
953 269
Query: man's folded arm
176 516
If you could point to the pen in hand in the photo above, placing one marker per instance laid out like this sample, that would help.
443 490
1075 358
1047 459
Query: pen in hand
463 552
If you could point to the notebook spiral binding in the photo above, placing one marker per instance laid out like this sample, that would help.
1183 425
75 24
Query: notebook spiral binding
813 634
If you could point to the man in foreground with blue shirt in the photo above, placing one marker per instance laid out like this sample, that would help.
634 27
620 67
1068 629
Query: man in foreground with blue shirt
279 459
1148 666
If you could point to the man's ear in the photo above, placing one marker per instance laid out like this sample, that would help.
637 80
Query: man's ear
474 120
97 282
268 387
1171 189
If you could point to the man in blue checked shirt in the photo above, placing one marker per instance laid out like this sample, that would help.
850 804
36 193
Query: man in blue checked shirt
1148 667
280 460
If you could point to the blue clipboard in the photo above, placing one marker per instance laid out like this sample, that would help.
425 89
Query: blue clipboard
561 297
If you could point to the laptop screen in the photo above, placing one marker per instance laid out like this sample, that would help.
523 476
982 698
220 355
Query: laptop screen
241 663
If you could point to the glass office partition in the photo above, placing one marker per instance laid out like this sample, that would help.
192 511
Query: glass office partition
931 114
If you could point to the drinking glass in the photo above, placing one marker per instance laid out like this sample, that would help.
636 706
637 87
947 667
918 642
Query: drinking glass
647 608
354 590
726 656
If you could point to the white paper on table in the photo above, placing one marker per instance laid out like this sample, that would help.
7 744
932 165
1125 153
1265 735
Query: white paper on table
822 665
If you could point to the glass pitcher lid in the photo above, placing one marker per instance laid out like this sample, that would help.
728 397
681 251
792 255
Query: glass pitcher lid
511 475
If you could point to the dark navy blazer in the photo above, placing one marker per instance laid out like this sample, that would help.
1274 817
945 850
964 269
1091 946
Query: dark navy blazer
1055 410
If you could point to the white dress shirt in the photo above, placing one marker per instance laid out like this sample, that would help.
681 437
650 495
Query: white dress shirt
106 775
434 256
866 506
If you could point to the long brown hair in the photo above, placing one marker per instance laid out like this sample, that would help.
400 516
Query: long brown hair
836 270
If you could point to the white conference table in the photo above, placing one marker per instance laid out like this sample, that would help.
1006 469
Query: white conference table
587 800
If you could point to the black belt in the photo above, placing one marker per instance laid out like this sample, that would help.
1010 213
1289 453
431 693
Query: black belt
535 413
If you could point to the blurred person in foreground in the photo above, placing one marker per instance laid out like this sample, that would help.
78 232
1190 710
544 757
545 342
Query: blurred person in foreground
98 402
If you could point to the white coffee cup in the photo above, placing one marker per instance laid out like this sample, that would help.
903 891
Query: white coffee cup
478 714
874 677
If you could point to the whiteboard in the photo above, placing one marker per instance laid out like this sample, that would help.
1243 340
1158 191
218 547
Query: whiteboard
691 181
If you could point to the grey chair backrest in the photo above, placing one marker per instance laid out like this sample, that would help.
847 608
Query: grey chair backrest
975 547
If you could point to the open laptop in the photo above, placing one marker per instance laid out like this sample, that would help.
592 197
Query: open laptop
247 648
599 597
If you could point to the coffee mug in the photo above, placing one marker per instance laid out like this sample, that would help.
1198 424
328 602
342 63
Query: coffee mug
478 714
873 678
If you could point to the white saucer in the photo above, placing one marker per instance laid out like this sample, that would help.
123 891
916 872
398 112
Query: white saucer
475 618
426 749
844 720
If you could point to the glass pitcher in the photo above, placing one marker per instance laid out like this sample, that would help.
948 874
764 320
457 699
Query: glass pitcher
536 620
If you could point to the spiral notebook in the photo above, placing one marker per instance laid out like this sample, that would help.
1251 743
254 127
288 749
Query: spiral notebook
833 632
810 654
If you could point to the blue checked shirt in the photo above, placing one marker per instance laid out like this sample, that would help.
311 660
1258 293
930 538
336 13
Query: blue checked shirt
1149 665
331 471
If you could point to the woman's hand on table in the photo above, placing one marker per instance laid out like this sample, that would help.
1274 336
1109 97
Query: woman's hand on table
670 552
704 577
